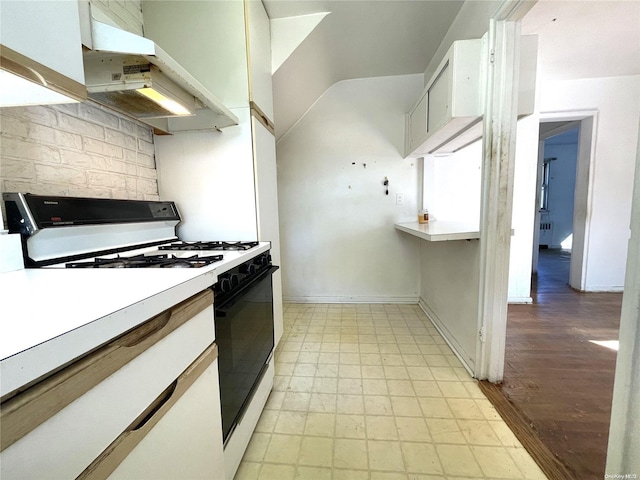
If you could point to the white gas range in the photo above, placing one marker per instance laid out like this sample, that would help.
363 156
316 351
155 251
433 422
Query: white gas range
106 235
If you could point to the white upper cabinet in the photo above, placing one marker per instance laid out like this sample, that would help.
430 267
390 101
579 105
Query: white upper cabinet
226 46
448 114
259 57
41 46
208 39
452 100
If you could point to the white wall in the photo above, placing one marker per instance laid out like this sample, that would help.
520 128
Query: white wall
452 185
450 274
617 100
209 175
336 223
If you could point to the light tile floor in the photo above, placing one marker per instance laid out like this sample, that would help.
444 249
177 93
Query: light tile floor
372 391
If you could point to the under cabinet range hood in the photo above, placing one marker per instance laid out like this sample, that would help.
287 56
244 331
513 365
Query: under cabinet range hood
131 74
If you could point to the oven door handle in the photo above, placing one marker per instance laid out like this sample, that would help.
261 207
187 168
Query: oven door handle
230 300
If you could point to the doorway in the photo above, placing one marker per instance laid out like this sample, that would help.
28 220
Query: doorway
563 196
556 186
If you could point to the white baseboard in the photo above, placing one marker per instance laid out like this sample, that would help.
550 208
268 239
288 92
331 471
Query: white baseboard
520 300
352 299
604 289
442 329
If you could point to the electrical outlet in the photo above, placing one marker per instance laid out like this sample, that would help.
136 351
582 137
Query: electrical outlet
399 198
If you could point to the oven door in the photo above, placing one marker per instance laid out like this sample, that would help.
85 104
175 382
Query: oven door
244 334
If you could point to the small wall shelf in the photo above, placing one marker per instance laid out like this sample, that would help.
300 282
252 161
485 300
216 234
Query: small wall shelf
438 231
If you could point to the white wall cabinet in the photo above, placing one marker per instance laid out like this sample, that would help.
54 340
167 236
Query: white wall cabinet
452 100
448 114
259 57
41 37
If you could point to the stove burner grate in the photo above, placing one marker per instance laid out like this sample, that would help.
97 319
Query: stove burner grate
148 261
209 246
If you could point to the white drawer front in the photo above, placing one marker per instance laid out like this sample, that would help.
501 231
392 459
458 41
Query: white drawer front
186 442
64 445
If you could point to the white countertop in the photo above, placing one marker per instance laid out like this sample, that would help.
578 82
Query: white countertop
50 316
437 231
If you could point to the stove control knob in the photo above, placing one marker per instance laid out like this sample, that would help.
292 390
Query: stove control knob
263 260
233 278
224 281
248 268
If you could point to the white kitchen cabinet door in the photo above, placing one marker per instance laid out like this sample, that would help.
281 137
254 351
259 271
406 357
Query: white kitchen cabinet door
186 442
40 53
208 39
418 122
45 32
259 56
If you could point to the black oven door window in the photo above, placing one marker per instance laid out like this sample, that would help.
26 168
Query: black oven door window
244 334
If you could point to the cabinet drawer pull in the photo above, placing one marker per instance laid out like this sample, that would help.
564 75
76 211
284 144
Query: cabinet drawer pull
143 332
156 405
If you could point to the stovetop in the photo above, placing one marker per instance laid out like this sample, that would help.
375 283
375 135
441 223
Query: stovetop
209 246
175 254
148 261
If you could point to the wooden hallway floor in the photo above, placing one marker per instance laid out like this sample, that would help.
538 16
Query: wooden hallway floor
559 380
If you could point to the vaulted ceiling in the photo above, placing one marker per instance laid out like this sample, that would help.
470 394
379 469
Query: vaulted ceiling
357 39
369 38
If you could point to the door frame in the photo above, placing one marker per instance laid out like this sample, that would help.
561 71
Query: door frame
587 120
500 123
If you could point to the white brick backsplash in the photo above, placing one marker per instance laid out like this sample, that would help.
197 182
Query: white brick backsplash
145 134
93 145
147 186
68 140
13 126
145 160
131 169
21 148
39 115
82 160
130 156
114 166
43 188
18 169
147 172
41 133
145 147
60 174
119 138
78 150
99 116
106 179
83 127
